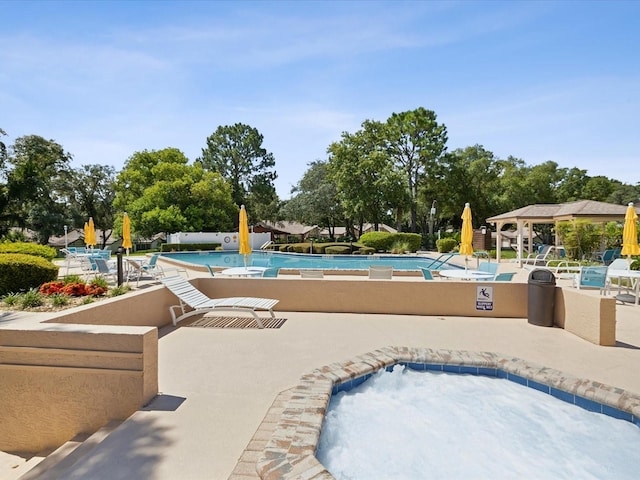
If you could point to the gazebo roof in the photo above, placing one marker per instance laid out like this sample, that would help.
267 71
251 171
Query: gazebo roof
551 213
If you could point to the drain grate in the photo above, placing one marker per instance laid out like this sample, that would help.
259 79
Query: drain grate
236 322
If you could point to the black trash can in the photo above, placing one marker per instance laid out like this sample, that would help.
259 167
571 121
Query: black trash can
541 293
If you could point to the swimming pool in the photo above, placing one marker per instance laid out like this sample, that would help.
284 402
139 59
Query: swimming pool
303 261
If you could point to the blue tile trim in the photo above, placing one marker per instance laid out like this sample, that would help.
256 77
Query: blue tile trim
582 402
588 404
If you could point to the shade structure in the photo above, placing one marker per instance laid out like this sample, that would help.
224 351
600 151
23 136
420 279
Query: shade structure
91 233
126 232
245 247
630 233
466 239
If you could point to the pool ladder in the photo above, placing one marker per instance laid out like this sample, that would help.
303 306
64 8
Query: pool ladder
441 260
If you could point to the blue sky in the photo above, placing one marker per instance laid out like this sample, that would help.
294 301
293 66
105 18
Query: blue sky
539 80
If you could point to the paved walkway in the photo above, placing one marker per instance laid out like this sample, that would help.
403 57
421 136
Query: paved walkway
217 384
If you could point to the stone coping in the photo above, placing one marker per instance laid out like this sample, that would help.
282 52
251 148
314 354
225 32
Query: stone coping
290 451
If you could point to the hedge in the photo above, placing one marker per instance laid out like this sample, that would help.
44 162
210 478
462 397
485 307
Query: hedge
182 247
29 249
384 240
20 272
446 245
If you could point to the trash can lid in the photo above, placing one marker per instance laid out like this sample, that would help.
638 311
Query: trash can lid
542 276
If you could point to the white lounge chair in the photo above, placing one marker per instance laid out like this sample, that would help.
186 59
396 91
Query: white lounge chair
533 259
312 273
191 297
381 272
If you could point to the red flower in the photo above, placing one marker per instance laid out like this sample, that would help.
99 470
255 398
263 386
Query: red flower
51 288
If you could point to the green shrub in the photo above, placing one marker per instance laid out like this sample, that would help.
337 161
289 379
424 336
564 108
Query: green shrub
119 290
31 298
365 251
182 247
377 240
59 299
20 272
399 247
338 250
72 279
11 299
446 245
29 249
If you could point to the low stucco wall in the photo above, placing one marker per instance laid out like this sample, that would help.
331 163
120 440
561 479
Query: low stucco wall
62 380
588 316
99 362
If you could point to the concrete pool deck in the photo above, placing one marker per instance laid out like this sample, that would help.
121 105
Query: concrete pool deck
218 384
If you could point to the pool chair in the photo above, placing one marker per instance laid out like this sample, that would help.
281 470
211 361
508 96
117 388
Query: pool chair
103 269
136 270
536 259
504 277
271 272
311 273
384 272
592 277
426 273
489 267
153 268
192 298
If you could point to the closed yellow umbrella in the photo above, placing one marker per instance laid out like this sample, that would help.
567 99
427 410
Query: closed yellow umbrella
92 232
245 247
87 235
126 232
630 233
466 238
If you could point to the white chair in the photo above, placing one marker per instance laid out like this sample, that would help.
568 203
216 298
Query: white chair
311 274
384 272
190 297
617 270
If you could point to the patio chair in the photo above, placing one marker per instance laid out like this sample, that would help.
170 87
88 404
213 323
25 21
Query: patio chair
384 272
426 273
271 272
159 270
192 298
537 259
136 270
102 268
504 277
489 267
592 277
607 257
311 273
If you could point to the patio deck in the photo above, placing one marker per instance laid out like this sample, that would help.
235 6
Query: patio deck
217 384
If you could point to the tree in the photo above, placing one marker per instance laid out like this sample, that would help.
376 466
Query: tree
316 199
162 193
91 193
466 175
236 153
368 185
415 141
34 184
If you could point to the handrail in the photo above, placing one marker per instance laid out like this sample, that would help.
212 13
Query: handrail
266 244
444 261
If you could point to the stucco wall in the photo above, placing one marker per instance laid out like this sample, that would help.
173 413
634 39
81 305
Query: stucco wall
62 380
589 316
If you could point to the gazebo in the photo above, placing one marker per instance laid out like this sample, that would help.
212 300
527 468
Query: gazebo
552 214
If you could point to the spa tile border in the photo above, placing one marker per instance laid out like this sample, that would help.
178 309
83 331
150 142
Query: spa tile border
290 451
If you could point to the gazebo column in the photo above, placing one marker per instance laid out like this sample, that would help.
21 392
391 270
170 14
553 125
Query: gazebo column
499 226
519 242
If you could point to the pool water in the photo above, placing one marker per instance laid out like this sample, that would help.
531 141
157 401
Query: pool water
311 261
405 424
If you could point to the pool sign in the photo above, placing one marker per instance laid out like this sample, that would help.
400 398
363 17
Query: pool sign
484 298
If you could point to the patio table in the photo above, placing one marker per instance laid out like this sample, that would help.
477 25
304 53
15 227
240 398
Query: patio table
244 271
466 274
